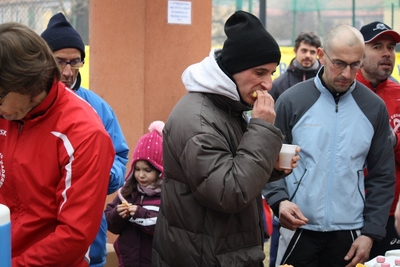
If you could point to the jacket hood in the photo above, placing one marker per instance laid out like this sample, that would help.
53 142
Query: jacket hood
294 66
207 77
46 104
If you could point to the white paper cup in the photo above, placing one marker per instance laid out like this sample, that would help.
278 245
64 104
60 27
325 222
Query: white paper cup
286 155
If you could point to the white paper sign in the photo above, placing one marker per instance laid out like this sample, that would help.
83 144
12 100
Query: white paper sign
179 12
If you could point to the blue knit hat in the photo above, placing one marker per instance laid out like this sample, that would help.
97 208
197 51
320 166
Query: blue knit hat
60 34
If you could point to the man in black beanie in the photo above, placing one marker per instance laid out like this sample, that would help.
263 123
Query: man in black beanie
69 50
216 160
248 44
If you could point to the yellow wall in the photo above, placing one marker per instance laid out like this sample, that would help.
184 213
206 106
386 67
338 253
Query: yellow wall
85 69
287 56
396 70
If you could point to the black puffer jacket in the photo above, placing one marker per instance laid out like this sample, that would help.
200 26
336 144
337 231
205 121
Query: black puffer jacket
215 167
290 77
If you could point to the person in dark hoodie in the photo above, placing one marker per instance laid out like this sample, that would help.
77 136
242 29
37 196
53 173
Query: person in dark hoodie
304 66
216 161
69 50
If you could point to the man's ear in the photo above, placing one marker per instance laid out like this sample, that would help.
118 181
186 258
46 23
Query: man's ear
320 55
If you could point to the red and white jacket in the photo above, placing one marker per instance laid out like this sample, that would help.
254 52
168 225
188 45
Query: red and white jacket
55 167
389 92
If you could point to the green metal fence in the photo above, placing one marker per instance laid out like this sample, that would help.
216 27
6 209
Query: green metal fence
36 13
284 19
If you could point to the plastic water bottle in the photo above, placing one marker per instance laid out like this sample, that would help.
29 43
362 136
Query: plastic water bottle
5 236
379 261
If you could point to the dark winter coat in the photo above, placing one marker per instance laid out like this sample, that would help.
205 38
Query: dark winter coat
290 77
134 243
216 164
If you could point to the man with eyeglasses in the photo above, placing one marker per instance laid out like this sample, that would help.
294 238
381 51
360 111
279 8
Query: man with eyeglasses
378 63
69 50
54 176
330 213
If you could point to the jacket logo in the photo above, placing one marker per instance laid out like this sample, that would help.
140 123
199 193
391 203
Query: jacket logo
3 132
395 122
312 125
395 241
2 171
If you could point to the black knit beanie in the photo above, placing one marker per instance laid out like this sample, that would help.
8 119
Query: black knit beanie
60 34
248 44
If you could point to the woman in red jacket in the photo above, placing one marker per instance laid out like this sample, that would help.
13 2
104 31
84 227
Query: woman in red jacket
55 156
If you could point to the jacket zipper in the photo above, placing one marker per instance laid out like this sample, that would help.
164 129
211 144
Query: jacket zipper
337 97
21 126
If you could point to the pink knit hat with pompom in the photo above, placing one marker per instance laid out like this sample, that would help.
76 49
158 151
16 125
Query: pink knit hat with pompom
149 148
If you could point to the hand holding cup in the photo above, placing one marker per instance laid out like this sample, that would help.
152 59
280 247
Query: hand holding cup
288 157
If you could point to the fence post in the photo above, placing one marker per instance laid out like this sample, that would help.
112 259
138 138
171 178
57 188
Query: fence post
239 4
263 11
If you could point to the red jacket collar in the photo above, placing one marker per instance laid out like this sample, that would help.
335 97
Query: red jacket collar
360 77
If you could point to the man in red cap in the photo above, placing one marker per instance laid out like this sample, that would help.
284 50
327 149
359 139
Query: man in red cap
378 63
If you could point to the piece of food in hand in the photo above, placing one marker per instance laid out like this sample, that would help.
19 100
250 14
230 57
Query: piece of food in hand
360 265
255 95
125 203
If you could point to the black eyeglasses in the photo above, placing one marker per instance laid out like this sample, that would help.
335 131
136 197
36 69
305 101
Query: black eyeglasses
2 95
342 65
75 63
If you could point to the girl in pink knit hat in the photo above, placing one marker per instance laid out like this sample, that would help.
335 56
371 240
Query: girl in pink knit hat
133 213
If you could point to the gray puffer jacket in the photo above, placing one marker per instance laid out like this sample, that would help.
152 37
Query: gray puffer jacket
215 167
